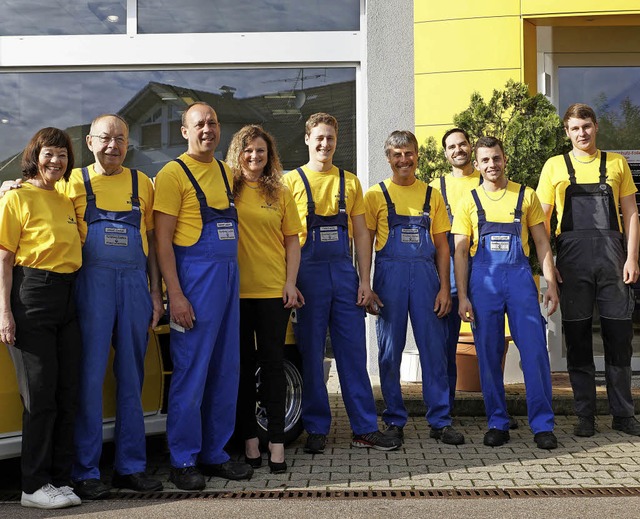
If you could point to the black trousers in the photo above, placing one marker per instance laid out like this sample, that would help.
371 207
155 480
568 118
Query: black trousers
46 356
591 268
263 327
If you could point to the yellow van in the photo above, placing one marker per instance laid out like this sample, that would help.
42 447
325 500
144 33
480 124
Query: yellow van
154 394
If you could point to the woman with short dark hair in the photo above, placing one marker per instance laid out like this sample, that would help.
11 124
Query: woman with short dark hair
40 253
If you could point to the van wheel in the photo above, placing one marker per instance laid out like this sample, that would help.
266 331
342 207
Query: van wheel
293 404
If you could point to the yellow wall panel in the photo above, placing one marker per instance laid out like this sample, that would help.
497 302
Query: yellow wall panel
440 96
498 37
436 131
529 56
548 7
429 10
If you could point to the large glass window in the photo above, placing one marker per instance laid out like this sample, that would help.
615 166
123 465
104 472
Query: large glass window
614 93
51 17
169 16
153 101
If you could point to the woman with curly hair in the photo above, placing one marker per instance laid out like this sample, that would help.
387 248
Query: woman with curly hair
268 258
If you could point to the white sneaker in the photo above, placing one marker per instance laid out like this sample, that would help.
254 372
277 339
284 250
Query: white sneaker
70 495
47 497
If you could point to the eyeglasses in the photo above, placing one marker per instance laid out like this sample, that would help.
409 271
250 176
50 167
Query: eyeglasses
106 139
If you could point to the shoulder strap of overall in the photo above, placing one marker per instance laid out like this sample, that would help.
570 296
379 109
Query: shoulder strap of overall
135 199
87 185
390 204
570 169
517 215
311 206
226 183
426 209
202 199
481 214
603 167
443 190
342 206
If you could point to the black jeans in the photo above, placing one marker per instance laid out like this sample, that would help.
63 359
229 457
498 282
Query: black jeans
263 327
46 356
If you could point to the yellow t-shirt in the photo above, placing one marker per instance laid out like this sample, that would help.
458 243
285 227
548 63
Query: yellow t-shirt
325 188
113 193
261 230
176 196
501 211
39 226
457 186
408 201
554 179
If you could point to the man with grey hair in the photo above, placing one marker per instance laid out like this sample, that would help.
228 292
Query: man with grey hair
118 295
409 223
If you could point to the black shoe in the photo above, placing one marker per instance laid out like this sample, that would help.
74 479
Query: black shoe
394 431
315 443
495 437
187 478
586 426
277 467
513 423
376 440
91 489
235 470
448 435
546 440
137 481
254 463
626 424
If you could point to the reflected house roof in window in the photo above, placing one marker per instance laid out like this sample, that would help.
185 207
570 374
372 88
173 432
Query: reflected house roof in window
276 112
282 113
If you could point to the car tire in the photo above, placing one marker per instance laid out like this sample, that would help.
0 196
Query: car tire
293 405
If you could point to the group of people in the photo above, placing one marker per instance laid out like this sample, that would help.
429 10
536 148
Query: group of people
238 245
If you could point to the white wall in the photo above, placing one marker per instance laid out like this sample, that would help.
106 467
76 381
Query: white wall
389 89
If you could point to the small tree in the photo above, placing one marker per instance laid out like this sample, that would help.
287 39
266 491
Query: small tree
528 126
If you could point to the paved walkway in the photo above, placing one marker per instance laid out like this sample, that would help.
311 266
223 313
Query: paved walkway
609 459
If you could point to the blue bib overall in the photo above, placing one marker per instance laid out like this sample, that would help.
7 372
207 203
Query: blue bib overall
114 307
329 283
406 280
501 281
453 319
206 359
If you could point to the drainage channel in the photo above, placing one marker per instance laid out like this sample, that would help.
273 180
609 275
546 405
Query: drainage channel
509 493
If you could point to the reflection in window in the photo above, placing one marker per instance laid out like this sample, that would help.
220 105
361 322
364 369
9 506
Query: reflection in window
153 101
50 17
169 16
614 94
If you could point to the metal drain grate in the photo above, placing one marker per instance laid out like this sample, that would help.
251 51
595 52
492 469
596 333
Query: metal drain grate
507 493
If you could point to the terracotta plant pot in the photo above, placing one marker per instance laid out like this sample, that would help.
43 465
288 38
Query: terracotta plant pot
467 363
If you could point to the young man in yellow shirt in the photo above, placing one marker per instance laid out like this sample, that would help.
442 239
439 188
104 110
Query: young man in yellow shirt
586 186
331 209
462 179
496 219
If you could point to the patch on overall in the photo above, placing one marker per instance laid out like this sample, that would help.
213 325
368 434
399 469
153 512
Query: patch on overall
410 235
116 237
500 243
226 231
329 233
